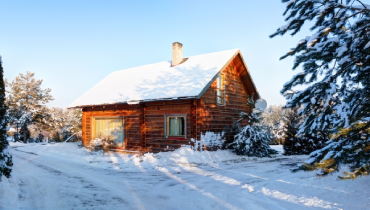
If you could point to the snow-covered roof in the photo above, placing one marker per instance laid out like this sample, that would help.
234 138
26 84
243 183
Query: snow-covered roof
158 81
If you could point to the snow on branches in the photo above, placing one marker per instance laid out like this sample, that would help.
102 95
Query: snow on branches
26 100
209 141
64 122
335 61
300 144
5 157
252 140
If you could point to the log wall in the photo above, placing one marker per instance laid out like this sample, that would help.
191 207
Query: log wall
219 118
131 114
154 124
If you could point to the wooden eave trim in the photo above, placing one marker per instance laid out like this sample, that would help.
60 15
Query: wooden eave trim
247 70
139 102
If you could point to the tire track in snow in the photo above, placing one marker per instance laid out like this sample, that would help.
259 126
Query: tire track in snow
31 191
77 186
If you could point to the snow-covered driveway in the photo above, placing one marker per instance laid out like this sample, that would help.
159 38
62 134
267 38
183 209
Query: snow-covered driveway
63 176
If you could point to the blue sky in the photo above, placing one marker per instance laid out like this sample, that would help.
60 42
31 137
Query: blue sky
72 45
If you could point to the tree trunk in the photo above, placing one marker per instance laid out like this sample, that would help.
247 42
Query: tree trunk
24 136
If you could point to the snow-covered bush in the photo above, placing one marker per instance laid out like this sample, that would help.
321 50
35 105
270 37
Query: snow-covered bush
96 142
252 142
100 143
209 141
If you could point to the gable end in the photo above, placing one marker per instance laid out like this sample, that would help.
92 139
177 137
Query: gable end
238 62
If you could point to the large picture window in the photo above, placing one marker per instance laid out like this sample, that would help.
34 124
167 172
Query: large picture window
175 126
111 129
220 93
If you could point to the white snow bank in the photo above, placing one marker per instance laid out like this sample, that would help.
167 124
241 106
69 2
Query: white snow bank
8 193
128 162
69 177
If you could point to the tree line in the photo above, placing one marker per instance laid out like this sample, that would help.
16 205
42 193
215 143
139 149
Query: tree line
27 112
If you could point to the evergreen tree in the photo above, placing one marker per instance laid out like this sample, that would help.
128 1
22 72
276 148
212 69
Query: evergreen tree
66 121
252 139
57 137
295 144
336 67
291 140
5 156
26 101
25 133
274 119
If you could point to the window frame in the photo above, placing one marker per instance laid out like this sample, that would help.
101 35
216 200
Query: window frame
166 125
109 117
222 90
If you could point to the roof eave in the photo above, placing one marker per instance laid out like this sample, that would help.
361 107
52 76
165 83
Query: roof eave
246 68
134 102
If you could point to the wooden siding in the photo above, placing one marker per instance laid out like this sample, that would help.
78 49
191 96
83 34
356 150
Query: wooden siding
131 114
145 125
154 123
220 118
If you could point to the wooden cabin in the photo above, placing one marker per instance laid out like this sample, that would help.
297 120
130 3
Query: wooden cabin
161 106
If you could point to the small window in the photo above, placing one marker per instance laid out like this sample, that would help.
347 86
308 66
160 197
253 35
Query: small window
110 129
220 94
175 126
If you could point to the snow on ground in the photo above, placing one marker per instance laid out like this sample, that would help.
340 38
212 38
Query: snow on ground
64 176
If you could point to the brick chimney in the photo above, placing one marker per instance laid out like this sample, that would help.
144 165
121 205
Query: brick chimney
176 53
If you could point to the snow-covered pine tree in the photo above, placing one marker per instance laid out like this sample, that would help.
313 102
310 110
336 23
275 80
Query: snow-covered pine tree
291 140
66 121
252 140
24 132
5 156
295 144
336 68
26 100
273 118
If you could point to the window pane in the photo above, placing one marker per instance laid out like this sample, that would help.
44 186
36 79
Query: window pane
110 129
220 94
219 82
176 126
219 100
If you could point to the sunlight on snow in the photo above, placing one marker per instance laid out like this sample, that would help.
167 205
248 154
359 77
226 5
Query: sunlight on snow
210 195
214 176
316 202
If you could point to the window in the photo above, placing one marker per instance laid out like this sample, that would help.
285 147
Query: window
175 126
111 129
220 95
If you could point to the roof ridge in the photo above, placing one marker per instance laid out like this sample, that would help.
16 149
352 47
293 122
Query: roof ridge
157 81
